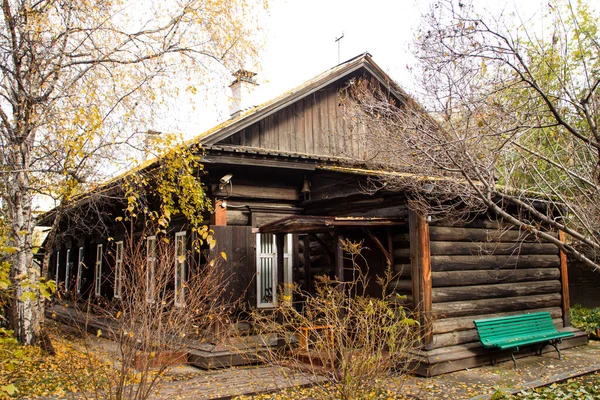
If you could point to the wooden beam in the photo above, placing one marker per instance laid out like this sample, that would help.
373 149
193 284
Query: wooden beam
289 193
385 251
279 243
564 279
219 217
390 245
421 271
307 271
339 261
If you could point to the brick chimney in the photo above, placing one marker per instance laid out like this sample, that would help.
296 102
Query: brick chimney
241 91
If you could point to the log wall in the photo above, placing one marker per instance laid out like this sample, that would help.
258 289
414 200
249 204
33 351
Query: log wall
402 283
486 270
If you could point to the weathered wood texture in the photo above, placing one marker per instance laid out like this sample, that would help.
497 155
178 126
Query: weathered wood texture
240 267
312 125
564 277
487 269
420 267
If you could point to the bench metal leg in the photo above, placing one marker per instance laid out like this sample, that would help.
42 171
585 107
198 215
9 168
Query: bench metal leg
512 355
555 345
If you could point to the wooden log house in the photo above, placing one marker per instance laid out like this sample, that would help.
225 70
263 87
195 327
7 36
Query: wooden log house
295 185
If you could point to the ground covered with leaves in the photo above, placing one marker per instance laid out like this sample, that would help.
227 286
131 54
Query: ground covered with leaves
584 387
324 391
25 371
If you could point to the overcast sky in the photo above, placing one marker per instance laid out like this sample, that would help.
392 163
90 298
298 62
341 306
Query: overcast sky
300 43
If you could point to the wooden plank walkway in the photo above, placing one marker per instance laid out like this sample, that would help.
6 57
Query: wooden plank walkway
226 383
246 350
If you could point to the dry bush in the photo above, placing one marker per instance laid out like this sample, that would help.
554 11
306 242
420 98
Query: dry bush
149 329
349 341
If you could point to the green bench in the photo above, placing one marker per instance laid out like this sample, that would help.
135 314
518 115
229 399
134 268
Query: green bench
515 331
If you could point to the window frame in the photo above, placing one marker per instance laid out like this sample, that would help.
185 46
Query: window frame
118 269
80 265
98 271
67 269
180 269
150 269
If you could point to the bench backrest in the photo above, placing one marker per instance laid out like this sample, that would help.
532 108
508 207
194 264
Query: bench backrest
514 326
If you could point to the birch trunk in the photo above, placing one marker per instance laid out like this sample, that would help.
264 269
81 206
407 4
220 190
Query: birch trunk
25 310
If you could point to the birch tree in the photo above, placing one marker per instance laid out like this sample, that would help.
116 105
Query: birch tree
77 78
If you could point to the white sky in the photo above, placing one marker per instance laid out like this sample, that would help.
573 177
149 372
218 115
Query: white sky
300 44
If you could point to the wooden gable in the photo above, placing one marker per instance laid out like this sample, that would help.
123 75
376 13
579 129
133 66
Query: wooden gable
308 120
313 125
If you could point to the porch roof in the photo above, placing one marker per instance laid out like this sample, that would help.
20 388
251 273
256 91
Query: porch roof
313 223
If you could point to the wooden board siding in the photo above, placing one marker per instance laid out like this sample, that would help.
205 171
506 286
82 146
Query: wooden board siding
487 270
312 125
239 269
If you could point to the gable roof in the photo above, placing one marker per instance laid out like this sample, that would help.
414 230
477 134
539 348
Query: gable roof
210 139
362 61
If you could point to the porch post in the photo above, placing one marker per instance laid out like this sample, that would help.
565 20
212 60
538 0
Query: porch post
280 290
307 271
564 280
420 267
339 261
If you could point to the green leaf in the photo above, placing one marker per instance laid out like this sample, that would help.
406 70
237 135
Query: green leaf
9 389
28 296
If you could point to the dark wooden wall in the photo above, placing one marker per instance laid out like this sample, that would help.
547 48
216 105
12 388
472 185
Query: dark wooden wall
238 243
583 285
403 283
482 271
312 125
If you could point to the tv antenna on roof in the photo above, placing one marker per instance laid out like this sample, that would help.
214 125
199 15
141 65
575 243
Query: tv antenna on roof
338 41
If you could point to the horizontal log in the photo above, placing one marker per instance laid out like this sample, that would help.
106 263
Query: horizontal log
446 325
257 192
484 223
488 277
467 336
477 307
236 217
490 248
401 285
469 263
452 234
404 300
400 239
402 270
402 252
460 293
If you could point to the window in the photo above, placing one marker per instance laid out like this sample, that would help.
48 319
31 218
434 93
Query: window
79 270
57 267
98 276
266 268
118 269
67 269
180 269
150 267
